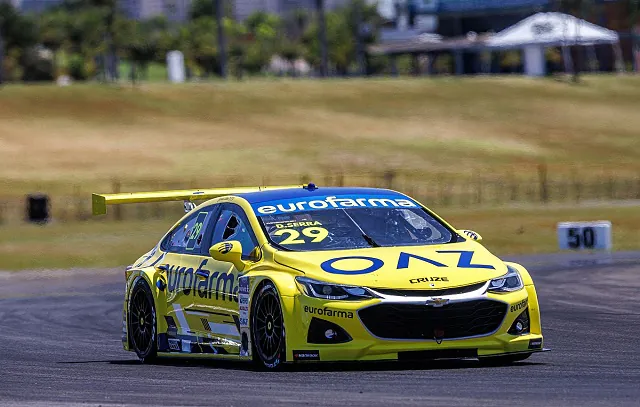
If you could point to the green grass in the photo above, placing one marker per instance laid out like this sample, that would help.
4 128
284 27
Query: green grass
155 72
116 244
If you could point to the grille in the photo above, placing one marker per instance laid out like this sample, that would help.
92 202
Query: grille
415 321
430 293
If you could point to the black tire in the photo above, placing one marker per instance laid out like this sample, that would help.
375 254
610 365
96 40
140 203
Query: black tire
141 322
267 328
504 360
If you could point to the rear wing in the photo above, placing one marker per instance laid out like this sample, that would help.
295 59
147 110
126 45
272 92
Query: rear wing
99 202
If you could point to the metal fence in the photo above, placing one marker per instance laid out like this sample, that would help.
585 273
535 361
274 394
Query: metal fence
539 185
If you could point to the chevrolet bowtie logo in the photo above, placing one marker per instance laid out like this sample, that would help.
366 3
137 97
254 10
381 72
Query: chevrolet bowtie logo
437 302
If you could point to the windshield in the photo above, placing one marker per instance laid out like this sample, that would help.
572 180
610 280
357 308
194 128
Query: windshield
354 228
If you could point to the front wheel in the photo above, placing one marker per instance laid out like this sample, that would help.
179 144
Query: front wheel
142 322
267 328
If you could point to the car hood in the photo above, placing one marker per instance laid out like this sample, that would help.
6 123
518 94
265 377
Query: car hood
409 267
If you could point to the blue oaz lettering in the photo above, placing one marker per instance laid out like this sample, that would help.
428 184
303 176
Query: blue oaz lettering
404 260
329 267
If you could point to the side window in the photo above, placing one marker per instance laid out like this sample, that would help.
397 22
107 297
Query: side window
234 225
191 235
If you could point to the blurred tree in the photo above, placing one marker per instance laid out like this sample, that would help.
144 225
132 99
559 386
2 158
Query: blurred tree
17 34
17 30
207 8
342 28
263 34
54 31
634 22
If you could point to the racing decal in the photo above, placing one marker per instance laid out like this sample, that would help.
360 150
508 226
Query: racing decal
292 236
195 237
521 305
464 261
151 259
289 225
243 307
535 343
182 320
183 280
403 260
306 355
223 329
225 248
427 279
174 344
194 344
332 202
329 267
471 234
328 312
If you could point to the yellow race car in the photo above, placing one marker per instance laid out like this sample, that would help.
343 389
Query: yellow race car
312 274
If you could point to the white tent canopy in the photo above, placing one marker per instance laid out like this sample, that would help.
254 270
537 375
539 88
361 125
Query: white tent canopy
542 30
553 29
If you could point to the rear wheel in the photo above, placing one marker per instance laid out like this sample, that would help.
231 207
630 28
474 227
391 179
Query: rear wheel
267 328
142 322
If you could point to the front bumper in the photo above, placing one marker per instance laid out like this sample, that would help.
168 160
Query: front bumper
365 346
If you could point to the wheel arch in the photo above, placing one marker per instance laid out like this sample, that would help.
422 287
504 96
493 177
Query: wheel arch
287 290
153 279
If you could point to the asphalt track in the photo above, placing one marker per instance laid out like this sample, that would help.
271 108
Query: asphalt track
60 345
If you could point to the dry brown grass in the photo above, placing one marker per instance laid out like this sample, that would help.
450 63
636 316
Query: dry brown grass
87 134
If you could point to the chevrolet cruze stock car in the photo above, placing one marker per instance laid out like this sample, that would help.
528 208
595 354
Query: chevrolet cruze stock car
294 274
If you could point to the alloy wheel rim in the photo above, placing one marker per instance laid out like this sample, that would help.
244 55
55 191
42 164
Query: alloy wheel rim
141 322
269 327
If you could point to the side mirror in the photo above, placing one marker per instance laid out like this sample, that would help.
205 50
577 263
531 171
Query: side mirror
471 235
230 252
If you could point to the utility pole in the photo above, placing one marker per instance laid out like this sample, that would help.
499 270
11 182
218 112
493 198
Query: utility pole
222 41
322 38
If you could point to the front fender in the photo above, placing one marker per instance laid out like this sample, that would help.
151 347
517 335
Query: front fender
534 307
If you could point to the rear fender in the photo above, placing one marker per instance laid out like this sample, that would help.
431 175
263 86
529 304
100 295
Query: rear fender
155 279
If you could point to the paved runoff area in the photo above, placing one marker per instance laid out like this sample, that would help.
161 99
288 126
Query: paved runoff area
60 335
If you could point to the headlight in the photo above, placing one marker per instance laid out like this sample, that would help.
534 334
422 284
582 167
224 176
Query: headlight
507 283
332 291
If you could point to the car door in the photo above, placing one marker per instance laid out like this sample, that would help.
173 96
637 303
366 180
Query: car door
188 275
232 224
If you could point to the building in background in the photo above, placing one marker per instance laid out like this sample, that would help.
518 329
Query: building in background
174 10
35 6
178 10
244 8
